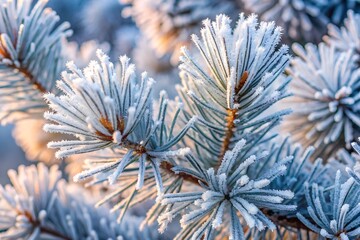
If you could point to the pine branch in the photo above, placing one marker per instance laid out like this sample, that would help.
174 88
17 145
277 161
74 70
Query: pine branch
335 219
31 57
28 75
36 224
229 84
225 114
325 98
114 111
40 203
278 219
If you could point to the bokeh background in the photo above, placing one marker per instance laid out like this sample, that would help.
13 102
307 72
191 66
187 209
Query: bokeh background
11 155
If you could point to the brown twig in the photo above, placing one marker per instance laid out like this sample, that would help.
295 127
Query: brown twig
231 116
284 221
54 233
31 78
166 166
229 133
43 229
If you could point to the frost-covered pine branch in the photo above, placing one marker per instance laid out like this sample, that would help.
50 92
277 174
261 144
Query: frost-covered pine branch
333 212
326 98
231 83
211 156
40 205
227 193
31 57
110 107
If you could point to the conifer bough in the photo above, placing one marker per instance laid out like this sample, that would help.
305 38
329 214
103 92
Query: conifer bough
31 57
210 157
107 106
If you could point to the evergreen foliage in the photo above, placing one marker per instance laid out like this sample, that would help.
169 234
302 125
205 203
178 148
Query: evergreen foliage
41 205
326 98
31 57
258 144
